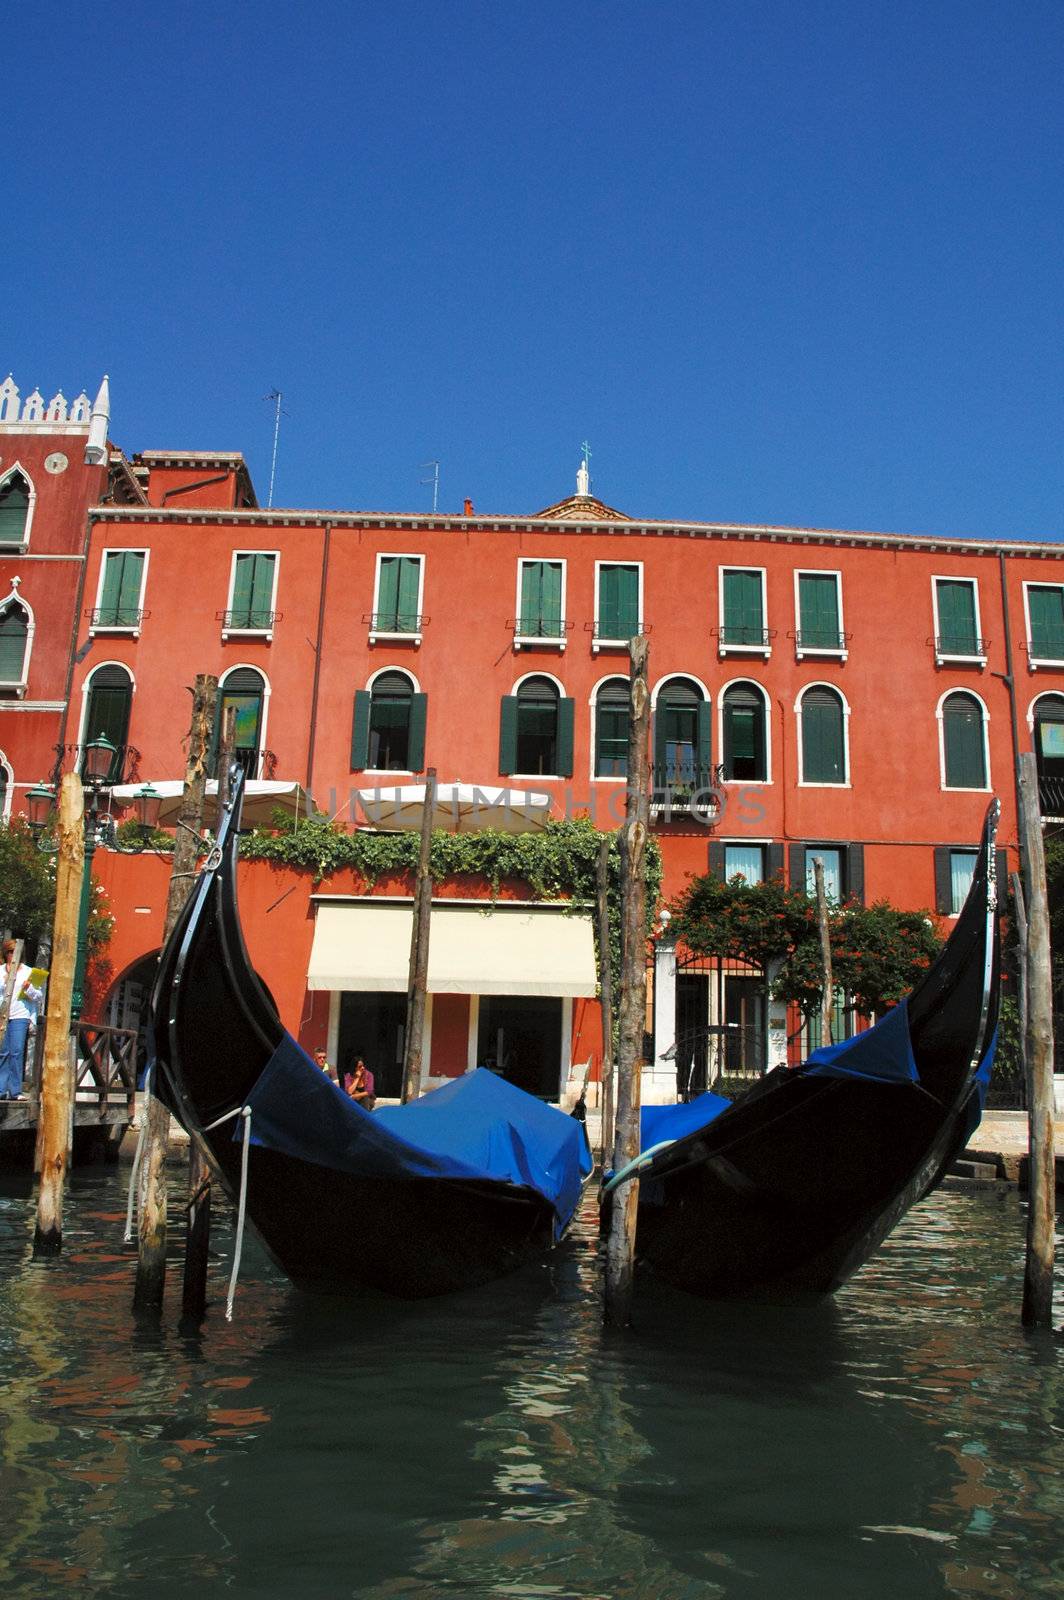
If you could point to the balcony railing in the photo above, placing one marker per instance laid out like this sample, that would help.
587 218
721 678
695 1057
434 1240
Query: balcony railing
549 630
609 630
254 763
249 621
811 640
686 790
396 624
961 646
740 636
117 617
1051 798
1047 645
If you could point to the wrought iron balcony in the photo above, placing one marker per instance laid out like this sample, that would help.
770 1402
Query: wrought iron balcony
812 641
1047 645
118 618
961 646
253 762
1051 799
686 790
739 636
248 621
396 624
537 629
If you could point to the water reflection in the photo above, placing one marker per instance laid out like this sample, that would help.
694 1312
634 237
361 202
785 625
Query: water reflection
902 1439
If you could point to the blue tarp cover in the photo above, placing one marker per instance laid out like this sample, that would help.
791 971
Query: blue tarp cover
478 1127
883 1053
657 1123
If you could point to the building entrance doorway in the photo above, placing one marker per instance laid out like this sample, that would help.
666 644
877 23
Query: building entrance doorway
522 1036
372 1025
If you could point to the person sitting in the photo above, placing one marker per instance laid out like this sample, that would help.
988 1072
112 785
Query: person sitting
326 1065
359 1085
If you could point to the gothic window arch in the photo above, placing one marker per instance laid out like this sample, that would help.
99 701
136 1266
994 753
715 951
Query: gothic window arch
17 501
16 642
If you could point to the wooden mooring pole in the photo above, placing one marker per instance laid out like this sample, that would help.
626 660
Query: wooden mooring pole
827 1003
419 949
57 1077
198 1226
602 923
1038 1054
620 1247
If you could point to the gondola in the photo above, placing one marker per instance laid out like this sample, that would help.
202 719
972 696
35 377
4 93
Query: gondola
789 1188
449 1191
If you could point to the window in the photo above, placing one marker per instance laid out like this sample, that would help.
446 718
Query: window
823 736
957 620
618 610
1045 621
109 701
961 873
681 737
1048 730
252 593
536 731
842 1016
121 585
745 752
611 729
397 608
963 743
540 601
244 690
744 861
742 614
16 503
819 629
388 734
831 856
843 869
14 643
7 788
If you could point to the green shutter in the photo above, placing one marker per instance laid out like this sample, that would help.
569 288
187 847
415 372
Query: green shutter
962 732
252 590
418 716
956 617
243 576
508 735
822 740
14 509
360 730
818 611
397 594
541 599
120 600
1046 606
618 602
13 630
566 727
743 617
409 576
388 594
262 591
703 752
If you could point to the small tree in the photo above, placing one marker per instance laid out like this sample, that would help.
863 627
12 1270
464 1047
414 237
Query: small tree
27 884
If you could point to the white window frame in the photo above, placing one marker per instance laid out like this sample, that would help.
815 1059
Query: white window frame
944 656
598 644
8 771
747 844
118 627
732 683
836 652
960 850
540 777
390 772
86 690
252 633
1033 661
609 677
18 686
803 782
762 650
962 688
24 544
534 641
248 666
385 633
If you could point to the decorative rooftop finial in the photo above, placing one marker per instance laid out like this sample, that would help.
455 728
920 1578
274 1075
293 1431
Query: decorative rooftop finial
583 476
96 447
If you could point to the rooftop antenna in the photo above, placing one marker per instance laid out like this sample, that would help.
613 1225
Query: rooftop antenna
275 396
434 467
583 476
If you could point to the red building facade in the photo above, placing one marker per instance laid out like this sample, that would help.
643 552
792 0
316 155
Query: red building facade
858 696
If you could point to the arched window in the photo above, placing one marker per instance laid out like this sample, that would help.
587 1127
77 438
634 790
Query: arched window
744 733
7 785
536 730
823 727
15 500
963 742
108 704
14 643
1049 752
388 734
681 736
244 689
611 729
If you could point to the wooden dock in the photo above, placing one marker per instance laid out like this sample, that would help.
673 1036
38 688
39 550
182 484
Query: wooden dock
104 1098
998 1151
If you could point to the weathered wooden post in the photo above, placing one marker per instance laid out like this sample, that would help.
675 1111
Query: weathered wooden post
602 921
1038 1051
827 1003
620 1248
1019 912
190 822
57 1077
419 949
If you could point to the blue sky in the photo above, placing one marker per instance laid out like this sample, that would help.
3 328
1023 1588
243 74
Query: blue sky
788 262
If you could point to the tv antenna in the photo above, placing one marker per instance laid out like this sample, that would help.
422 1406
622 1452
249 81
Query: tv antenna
434 468
276 397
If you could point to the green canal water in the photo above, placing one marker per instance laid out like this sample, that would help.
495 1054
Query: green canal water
904 1440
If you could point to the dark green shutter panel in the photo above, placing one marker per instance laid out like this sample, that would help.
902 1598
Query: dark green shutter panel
822 754
129 587
1046 607
818 611
261 590
705 739
743 621
409 574
854 885
956 617
419 705
14 509
112 586
243 577
796 866
360 730
962 728
943 880
716 859
13 630
388 593
566 727
774 863
618 602
508 735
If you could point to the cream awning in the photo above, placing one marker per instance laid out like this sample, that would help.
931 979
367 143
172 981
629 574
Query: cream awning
472 949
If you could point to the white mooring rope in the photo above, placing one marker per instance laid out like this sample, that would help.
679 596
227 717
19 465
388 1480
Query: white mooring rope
245 1112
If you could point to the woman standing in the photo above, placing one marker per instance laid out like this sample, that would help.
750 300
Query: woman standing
24 1002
